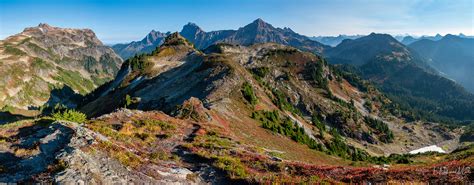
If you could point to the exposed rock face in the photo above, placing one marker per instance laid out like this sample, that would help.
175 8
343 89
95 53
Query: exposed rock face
43 58
253 33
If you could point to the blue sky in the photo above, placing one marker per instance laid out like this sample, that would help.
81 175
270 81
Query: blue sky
127 20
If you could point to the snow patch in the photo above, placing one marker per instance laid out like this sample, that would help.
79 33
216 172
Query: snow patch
432 148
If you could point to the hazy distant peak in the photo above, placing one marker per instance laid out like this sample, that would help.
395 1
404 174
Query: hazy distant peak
192 26
380 36
450 36
259 23
288 29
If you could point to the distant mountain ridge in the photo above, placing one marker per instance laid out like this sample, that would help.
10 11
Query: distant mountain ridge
334 40
146 45
362 50
451 55
411 39
256 32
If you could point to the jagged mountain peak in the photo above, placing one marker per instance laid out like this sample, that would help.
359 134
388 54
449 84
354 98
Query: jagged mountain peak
191 24
259 21
153 36
191 29
259 24
44 25
258 31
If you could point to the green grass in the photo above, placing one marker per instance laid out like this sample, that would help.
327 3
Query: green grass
70 115
38 49
30 90
233 166
14 51
40 63
213 141
99 81
249 94
74 80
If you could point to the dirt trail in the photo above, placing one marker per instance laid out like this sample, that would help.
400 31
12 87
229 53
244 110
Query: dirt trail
199 165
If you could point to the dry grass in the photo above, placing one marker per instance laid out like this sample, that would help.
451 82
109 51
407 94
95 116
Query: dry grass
23 152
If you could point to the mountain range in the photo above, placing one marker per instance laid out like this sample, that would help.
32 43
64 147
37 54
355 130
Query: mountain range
256 32
411 39
405 39
405 76
146 45
249 106
334 40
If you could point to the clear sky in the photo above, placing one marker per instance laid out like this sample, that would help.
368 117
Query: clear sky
127 20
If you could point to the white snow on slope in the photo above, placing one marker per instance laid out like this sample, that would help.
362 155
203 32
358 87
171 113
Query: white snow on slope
432 148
